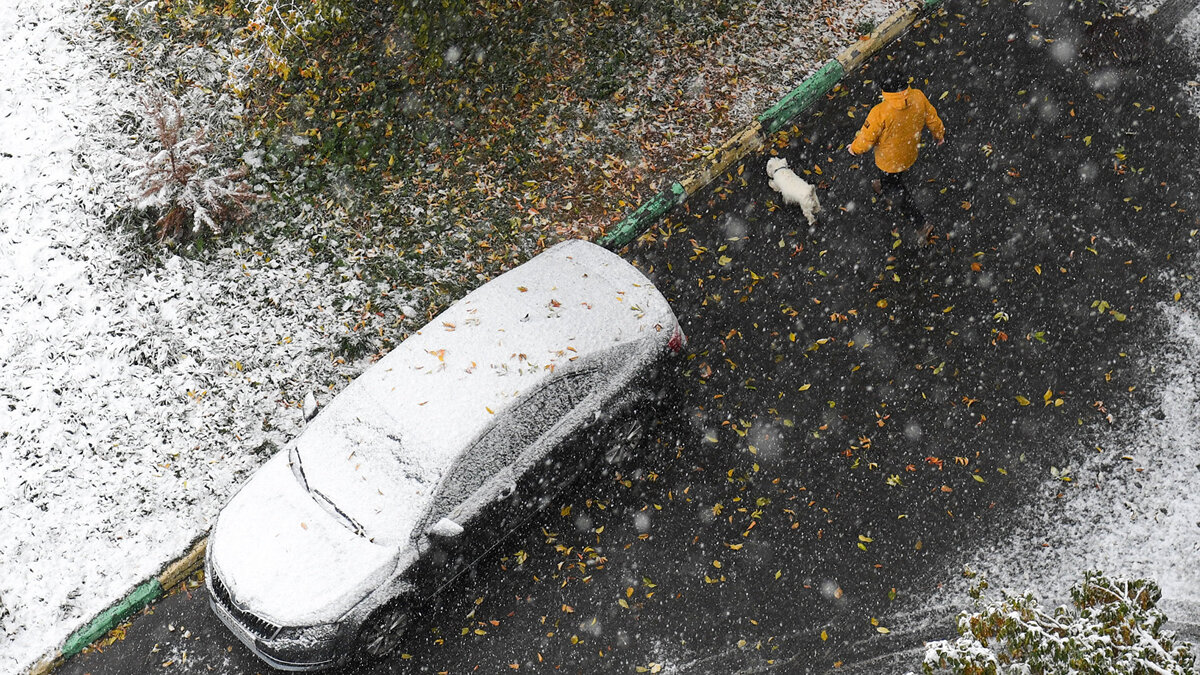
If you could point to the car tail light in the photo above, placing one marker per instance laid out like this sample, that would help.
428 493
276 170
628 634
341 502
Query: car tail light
678 340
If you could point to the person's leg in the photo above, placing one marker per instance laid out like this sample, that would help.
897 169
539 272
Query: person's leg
891 185
895 191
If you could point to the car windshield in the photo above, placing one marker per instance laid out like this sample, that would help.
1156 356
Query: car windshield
358 473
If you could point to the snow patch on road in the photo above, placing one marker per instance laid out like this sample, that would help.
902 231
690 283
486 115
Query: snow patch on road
1137 517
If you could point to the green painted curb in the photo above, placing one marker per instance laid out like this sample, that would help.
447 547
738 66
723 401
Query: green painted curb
794 103
633 224
111 617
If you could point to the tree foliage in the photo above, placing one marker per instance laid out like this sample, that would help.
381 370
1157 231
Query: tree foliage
1112 626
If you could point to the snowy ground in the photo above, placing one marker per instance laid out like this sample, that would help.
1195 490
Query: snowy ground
1185 33
1132 510
132 400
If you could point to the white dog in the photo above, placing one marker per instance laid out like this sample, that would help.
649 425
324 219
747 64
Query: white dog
795 190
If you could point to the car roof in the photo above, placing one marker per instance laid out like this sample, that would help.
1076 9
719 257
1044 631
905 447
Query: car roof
441 387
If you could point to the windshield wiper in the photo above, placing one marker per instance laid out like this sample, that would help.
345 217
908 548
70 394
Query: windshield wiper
297 467
325 502
333 509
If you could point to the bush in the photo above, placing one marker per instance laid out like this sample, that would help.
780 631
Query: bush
181 179
1112 626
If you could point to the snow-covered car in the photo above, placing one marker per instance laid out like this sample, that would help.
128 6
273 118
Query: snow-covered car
435 453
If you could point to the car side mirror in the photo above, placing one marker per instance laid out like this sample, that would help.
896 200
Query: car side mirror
446 530
310 406
507 486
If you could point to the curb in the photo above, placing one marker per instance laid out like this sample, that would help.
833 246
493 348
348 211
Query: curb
143 594
754 136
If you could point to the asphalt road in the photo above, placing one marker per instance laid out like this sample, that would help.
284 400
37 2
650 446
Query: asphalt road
847 424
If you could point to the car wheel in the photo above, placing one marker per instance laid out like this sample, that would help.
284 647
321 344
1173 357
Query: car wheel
381 633
623 440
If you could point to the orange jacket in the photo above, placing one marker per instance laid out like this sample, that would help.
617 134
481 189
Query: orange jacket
894 127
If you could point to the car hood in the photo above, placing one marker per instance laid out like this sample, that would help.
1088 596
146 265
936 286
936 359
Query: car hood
285 558
354 457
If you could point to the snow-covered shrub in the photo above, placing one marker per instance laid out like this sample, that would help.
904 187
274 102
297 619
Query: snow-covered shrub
1112 626
182 179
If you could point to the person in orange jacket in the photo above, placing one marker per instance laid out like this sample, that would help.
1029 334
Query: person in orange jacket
894 128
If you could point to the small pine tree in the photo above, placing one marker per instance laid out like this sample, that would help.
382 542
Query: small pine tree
183 180
1113 626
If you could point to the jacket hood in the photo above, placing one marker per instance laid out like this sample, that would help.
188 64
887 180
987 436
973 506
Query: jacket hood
897 99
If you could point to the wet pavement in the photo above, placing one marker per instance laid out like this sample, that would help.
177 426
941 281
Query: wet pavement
857 410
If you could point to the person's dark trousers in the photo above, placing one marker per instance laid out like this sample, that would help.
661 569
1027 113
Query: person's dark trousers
895 191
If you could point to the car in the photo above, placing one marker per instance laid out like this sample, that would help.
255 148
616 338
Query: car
433 454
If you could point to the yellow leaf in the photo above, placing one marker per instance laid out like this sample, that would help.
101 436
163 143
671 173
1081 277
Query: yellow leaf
1022 400
805 387
824 635
883 630
724 260
1087 140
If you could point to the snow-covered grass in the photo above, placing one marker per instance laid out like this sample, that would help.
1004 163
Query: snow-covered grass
136 393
